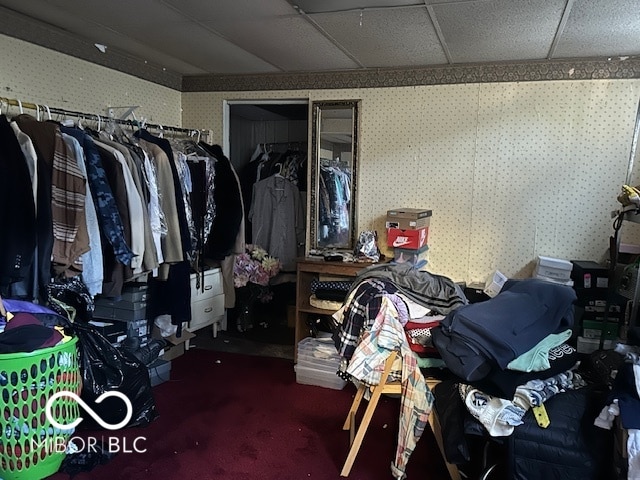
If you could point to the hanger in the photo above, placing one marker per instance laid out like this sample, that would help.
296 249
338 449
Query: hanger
20 106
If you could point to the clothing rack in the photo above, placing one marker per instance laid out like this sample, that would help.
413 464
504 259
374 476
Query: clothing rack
268 146
97 117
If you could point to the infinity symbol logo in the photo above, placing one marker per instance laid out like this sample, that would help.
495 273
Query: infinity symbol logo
87 408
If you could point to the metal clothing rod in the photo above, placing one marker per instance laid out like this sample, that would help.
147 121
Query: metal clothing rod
61 111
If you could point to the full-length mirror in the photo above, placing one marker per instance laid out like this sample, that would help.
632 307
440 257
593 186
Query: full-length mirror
334 148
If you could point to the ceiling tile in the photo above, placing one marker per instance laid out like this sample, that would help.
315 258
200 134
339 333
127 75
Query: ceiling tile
319 6
290 43
499 30
231 10
599 27
197 45
396 37
273 31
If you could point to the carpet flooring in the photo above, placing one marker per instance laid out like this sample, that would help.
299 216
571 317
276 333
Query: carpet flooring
236 416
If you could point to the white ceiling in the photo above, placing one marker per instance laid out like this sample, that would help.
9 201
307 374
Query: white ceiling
196 37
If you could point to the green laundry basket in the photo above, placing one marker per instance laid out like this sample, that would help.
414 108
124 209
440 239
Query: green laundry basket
30 447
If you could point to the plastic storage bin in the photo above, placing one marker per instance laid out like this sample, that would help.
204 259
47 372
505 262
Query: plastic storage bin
319 378
30 447
317 364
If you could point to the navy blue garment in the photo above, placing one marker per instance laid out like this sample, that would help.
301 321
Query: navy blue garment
624 389
172 296
17 210
109 219
475 338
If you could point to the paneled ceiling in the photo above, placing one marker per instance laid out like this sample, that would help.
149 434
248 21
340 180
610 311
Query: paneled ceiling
205 37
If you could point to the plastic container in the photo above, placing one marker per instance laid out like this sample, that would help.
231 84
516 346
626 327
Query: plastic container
309 355
319 378
30 447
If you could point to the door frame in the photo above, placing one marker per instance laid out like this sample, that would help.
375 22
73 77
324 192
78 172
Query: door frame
226 112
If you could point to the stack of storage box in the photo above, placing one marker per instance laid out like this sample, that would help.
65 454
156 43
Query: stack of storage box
408 233
318 362
591 282
126 316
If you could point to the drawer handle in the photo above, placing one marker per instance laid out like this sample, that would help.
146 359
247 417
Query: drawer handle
208 309
208 287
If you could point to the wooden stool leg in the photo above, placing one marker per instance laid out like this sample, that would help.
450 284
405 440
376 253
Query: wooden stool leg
356 441
354 407
362 429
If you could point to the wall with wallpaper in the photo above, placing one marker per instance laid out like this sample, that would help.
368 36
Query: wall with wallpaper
510 170
31 73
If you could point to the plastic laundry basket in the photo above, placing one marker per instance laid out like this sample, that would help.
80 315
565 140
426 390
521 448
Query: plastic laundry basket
30 447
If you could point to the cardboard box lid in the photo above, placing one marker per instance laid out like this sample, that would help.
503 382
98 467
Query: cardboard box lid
555 263
186 335
409 213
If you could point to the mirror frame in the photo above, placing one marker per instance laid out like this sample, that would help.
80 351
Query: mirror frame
314 166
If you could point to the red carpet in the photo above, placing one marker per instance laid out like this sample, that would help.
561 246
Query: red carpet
227 416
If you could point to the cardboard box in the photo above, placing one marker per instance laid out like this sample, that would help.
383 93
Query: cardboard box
590 345
135 292
112 331
172 339
408 218
172 351
408 255
553 268
411 239
494 283
589 275
159 371
594 329
121 314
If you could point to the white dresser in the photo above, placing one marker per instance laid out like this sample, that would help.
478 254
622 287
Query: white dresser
207 301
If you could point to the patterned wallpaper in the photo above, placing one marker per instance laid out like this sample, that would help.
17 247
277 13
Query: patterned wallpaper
511 170
38 75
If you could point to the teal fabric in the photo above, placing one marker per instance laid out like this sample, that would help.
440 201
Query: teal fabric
537 359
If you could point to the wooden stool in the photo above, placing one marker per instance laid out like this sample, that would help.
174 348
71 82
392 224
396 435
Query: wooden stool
356 438
395 388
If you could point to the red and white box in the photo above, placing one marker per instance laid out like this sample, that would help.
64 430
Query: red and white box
410 238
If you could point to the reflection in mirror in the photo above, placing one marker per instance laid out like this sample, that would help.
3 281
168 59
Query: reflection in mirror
333 174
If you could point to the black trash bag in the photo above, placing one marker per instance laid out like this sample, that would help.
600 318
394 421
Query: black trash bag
105 368
71 292
85 461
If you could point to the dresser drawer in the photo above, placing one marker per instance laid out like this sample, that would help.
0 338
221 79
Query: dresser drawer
205 312
207 287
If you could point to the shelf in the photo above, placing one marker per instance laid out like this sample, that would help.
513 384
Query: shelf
309 269
318 311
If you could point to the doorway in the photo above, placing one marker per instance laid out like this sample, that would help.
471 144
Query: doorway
260 139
